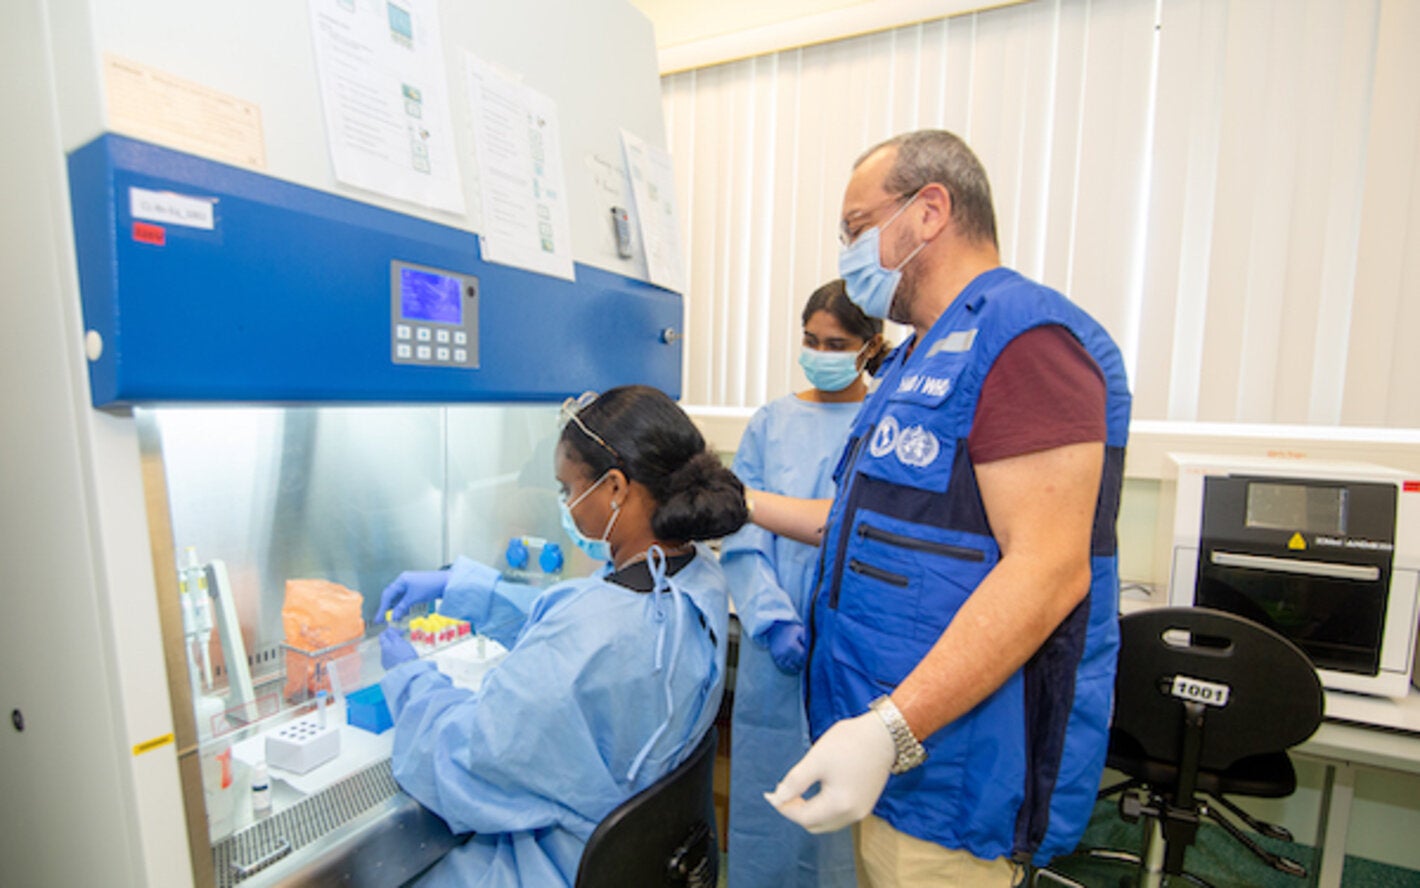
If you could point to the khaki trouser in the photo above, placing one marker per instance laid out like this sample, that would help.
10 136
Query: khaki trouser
891 859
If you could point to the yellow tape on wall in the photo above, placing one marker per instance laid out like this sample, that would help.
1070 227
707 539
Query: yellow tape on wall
149 745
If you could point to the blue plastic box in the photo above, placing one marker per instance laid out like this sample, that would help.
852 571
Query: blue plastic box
366 709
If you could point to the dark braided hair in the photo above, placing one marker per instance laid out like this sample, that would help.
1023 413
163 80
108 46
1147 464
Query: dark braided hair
657 445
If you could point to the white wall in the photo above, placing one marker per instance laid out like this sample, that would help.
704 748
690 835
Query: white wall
694 35
678 22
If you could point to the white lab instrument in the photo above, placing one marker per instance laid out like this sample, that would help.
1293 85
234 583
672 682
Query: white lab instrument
1326 553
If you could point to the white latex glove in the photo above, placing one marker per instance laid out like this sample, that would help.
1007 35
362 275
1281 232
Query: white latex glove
850 763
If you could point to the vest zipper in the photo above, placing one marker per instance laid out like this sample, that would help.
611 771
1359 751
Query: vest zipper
963 553
850 509
822 576
877 573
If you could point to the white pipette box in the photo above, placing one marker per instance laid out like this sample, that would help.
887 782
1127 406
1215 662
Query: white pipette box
301 745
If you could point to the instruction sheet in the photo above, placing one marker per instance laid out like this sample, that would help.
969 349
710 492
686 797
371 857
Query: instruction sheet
384 90
653 193
517 146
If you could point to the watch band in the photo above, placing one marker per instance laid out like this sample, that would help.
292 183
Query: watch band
910 753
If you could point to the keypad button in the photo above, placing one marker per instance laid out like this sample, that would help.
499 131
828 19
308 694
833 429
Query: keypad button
460 337
461 356
423 352
441 354
402 331
423 334
403 350
441 335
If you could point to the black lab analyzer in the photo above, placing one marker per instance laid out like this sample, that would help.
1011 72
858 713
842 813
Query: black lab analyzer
1326 553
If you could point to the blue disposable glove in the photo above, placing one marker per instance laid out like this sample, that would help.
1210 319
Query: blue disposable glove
410 588
788 645
395 648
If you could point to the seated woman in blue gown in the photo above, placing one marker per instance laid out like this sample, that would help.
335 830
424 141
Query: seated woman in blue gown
610 680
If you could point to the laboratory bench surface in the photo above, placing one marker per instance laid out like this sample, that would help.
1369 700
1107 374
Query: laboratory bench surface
1358 732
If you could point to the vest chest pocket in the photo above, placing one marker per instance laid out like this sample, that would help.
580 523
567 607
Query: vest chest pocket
963 553
907 447
914 440
880 590
911 577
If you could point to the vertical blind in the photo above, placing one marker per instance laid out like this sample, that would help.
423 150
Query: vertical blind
1232 187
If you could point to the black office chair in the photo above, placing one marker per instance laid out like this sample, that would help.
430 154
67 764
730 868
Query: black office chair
1207 704
662 836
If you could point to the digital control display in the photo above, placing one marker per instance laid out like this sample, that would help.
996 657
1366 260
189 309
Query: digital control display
1296 507
429 296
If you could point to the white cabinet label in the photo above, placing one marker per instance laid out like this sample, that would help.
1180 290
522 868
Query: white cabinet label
169 208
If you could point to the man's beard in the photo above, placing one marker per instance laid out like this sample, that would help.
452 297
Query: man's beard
905 297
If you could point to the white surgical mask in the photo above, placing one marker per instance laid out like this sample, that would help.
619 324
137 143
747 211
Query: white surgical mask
598 549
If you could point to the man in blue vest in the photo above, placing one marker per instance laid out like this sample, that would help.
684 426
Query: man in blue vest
963 626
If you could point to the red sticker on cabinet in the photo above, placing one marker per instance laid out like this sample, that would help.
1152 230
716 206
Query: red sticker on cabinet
150 234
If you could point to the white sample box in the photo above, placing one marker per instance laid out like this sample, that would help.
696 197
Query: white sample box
301 745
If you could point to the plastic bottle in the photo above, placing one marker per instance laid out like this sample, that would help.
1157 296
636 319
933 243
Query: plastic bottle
260 788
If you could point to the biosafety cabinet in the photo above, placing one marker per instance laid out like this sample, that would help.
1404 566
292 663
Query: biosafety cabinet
293 290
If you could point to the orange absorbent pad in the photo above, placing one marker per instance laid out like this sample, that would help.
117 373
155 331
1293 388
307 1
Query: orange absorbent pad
317 614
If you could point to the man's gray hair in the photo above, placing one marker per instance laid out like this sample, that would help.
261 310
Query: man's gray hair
928 156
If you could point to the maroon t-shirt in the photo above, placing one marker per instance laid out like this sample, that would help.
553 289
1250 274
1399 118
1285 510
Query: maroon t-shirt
1043 392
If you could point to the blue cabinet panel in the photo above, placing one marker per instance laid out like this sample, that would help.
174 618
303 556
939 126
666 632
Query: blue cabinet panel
232 286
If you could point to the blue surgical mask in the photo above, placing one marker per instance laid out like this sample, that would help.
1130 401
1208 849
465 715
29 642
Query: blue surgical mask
829 371
871 286
599 549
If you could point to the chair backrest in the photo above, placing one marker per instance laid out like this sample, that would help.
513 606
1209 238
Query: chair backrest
663 835
1169 655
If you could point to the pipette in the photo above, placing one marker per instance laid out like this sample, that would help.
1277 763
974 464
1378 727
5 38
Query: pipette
197 613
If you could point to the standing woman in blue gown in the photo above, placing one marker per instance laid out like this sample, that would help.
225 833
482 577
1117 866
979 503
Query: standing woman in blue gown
790 446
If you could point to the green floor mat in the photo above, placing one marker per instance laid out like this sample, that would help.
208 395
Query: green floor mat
1218 858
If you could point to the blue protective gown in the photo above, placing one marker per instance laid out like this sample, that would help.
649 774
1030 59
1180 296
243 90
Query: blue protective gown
790 446
603 691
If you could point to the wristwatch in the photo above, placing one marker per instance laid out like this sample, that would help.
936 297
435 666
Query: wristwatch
910 753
